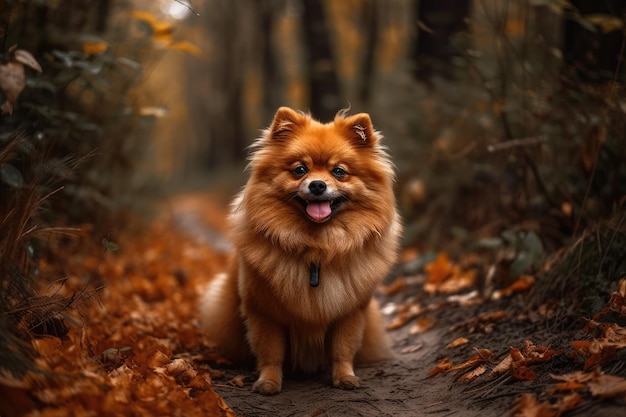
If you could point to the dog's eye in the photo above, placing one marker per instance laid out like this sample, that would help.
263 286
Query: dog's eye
339 172
300 170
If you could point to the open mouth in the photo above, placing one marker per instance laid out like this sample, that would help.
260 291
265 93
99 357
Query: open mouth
320 210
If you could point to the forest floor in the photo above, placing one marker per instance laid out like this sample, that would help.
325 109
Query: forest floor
136 350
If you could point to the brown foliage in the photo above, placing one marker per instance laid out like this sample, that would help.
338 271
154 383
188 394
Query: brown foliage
139 351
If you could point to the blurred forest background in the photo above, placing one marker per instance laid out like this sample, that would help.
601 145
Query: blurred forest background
505 118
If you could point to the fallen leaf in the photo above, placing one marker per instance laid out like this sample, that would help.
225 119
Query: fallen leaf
439 269
12 82
503 366
516 363
484 322
157 359
405 314
523 283
472 375
577 376
521 372
617 302
95 48
446 277
466 300
422 325
569 402
237 381
444 365
480 357
567 386
397 285
608 386
460 341
200 382
409 254
458 282
595 352
538 353
526 405
412 348
26 58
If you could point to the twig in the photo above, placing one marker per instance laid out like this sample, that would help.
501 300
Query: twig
187 4
516 143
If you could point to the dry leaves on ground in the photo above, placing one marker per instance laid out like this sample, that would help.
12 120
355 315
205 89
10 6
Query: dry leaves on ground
139 351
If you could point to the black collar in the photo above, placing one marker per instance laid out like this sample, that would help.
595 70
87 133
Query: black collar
315 275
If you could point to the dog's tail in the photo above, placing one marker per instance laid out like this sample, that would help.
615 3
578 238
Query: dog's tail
376 346
221 320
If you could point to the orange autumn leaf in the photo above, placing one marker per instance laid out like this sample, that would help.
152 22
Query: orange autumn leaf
568 386
440 269
608 386
460 341
480 357
503 366
527 405
538 353
569 402
457 282
124 358
411 348
617 302
581 344
405 314
238 381
409 254
93 48
473 374
422 325
522 372
598 351
484 322
443 366
523 283
397 285
576 376
443 276
516 355
518 360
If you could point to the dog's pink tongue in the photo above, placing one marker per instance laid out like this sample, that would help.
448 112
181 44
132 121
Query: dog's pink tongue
318 210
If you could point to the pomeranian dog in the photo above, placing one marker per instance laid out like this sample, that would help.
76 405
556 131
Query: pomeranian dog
315 231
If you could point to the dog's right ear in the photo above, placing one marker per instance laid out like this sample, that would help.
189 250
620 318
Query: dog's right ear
285 123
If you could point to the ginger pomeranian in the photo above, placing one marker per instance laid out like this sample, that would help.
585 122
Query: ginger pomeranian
315 231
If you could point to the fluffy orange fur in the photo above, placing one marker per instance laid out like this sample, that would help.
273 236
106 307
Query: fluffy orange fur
319 196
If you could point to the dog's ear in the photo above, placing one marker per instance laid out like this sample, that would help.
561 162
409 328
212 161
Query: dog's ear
360 130
285 122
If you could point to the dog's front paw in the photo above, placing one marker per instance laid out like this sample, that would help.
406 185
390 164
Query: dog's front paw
347 382
266 387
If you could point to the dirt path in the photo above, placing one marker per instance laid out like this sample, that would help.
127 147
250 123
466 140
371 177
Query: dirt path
397 388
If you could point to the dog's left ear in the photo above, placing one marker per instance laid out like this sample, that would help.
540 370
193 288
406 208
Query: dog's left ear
360 130
286 121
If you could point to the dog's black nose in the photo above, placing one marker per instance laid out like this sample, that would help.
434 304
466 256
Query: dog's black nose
317 187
